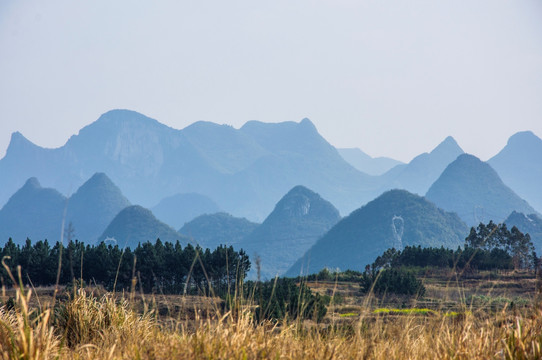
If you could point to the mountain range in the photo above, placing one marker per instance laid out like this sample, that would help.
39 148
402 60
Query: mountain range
38 213
397 218
196 177
244 171
150 161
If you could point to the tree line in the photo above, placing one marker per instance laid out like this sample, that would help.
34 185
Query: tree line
159 267
487 247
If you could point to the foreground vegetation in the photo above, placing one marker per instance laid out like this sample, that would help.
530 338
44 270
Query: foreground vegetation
86 326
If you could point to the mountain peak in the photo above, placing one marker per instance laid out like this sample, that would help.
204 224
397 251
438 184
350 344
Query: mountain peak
17 136
297 221
300 189
468 158
301 201
306 123
136 224
32 183
118 117
519 166
100 188
206 125
474 190
32 212
120 114
94 205
525 140
522 135
18 141
99 178
448 145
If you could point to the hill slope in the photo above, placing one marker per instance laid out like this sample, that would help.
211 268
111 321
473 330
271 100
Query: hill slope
178 209
34 212
473 190
366 233
136 224
297 221
418 175
519 166
528 224
366 163
212 230
93 207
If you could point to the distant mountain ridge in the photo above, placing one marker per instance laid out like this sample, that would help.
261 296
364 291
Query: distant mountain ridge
243 170
38 213
367 232
473 190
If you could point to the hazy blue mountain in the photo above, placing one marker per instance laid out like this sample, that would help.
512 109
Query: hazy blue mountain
244 170
519 165
298 220
212 230
34 212
528 224
473 190
135 224
146 159
366 163
228 150
299 155
359 238
93 206
418 175
24 160
178 209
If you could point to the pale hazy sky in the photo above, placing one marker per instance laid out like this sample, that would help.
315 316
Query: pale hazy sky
393 78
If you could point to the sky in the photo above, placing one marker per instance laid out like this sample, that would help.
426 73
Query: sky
393 78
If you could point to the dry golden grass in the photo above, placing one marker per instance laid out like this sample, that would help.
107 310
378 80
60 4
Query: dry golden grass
89 327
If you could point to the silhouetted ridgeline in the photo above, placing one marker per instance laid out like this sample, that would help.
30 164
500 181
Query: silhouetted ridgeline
160 267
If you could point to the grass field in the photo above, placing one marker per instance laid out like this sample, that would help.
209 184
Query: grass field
480 316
